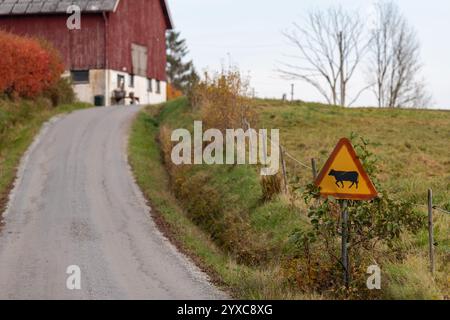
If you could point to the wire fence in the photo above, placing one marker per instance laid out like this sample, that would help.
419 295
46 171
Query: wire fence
297 161
284 150
436 208
441 210
285 153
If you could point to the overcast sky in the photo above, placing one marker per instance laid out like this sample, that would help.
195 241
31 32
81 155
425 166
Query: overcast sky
248 32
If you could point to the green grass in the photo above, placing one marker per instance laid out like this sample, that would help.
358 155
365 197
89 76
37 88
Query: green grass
412 159
408 282
19 123
412 145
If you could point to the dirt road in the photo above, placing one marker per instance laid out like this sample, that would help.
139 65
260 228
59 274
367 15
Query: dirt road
76 203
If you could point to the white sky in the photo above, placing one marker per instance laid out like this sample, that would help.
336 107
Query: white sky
248 32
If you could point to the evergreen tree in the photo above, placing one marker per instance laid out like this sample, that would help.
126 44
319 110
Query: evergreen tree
181 75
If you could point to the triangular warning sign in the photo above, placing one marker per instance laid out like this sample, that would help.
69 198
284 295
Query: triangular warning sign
344 177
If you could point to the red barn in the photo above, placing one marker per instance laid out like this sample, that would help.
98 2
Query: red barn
118 42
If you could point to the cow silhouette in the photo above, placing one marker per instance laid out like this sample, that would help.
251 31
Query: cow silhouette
345 176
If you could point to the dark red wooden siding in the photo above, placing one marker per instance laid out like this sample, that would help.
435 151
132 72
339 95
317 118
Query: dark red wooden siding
142 22
81 49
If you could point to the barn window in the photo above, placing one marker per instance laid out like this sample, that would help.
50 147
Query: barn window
120 80
131 85
80 76
158 86
139 57
150 86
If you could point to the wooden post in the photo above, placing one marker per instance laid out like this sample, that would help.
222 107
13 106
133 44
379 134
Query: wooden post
314 168
344 247
430 230
283 166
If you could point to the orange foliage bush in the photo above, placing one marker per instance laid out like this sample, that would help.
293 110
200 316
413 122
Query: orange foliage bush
172 92
27 66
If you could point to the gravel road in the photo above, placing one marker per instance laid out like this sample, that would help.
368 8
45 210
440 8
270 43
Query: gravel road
75 203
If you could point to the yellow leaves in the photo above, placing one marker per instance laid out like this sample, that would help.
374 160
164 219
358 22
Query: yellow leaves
223 100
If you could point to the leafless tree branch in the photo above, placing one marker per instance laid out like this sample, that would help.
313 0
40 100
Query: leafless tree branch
394 63
331 43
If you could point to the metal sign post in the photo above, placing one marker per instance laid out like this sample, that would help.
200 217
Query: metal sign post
430 230
344 246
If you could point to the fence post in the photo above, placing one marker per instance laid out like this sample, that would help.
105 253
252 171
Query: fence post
430 230
344 247
283 166
314 168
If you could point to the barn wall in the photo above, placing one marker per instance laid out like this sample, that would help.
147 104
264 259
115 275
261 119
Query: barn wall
141 22
81 49
87 91
140 88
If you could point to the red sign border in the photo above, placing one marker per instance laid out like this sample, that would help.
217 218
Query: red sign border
343 196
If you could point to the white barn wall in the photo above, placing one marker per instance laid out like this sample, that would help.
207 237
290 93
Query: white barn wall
86 92
140 88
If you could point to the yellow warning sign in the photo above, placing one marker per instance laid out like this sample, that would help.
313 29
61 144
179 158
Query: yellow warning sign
344 177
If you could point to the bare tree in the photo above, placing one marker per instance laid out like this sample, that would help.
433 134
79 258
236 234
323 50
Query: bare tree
394 64
331 45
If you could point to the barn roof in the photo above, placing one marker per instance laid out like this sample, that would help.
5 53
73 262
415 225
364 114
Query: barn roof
28 7
168 15
24 7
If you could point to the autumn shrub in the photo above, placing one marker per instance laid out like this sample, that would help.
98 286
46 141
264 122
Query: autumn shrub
223 100
173 93
28 67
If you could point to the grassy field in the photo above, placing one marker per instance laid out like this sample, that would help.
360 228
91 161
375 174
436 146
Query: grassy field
19 123
215 213
413 146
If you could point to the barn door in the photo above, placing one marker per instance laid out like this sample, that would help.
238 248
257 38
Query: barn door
139 55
